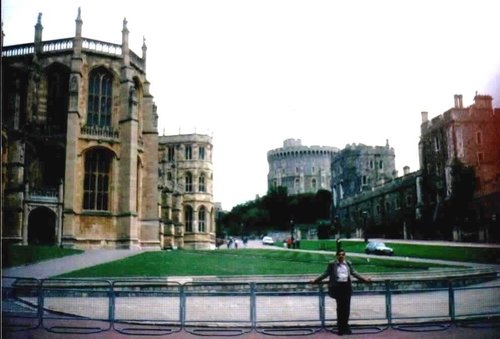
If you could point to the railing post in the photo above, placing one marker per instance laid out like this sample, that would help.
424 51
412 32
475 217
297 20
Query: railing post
182 307
253 306
451 298
40 301
321 297
112 300
388 302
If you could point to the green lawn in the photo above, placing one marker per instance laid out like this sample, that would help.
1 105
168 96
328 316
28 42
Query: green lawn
22 255
455 253
233 262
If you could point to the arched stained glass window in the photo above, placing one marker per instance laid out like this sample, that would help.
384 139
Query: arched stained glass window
99 99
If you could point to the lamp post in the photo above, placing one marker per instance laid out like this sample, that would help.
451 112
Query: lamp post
365 215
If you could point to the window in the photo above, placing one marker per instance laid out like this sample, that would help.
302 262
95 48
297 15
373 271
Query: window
313 184
201 153
189 182
171 153
364 180
96 180
371 164
480 157
188 218
201 183
188 153
202 219
296 170
479 138
436 144
380 164
99 99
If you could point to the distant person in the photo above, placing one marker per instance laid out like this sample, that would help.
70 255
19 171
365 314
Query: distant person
229 242
340 272
245 241
236 243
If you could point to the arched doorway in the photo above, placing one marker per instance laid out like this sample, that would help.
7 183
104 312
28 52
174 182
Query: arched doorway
42 227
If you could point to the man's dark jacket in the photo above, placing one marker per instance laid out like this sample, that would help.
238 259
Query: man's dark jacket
331 272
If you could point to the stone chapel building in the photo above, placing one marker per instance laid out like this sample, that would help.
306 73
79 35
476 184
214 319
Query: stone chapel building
80 156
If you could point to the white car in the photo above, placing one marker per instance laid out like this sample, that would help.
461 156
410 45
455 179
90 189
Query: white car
378 248
267 241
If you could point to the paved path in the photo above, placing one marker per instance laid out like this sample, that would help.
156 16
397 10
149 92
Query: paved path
53 267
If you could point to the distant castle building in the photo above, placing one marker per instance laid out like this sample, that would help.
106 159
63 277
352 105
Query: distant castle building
301 169
187 206
418 205
359 168
81 162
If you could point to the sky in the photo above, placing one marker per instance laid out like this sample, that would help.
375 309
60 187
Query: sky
252 73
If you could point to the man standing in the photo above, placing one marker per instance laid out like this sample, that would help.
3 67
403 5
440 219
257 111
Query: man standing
340 288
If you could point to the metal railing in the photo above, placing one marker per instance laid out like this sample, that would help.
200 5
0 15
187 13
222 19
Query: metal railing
157 306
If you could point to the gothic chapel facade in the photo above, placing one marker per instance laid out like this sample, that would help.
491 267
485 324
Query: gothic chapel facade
79 144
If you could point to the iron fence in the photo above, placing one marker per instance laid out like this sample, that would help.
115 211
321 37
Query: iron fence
158 306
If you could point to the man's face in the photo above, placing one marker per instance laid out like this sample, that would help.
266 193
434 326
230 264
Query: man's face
341 256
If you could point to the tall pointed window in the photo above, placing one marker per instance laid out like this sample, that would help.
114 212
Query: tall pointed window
202 215
188 218
99 100
96 180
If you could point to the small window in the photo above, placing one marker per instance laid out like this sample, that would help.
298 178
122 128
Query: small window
371 164
201 153
313 184
188 153
201 219
188 218
201 183
364 180
436 144
380 164
480 157
171 153
479 138
189 182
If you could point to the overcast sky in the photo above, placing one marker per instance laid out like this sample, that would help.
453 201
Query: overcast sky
254 73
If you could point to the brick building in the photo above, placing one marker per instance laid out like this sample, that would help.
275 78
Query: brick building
462 138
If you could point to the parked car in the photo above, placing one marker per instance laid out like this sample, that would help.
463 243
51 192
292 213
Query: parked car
267 241
378 248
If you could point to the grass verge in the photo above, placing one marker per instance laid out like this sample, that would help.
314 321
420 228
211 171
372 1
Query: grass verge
456 253
21 255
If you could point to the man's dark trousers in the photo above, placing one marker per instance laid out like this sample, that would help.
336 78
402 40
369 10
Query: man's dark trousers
343 291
